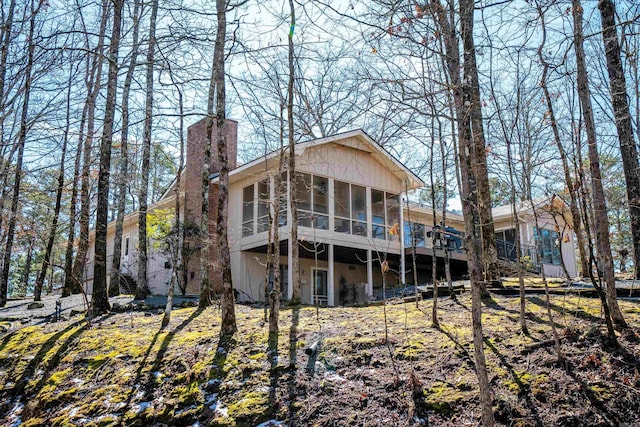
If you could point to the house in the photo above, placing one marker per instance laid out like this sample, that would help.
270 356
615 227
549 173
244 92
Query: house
353 217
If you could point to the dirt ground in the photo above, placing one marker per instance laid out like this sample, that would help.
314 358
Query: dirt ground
374 366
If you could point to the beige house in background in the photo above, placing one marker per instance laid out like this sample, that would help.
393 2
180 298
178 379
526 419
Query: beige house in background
352 216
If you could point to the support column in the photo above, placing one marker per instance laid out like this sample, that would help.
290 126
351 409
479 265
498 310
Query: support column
369 274
330 275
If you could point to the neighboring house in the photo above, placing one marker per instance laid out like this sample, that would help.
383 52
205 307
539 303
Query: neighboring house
352 216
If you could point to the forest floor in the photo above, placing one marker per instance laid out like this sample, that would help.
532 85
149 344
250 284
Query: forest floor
371 369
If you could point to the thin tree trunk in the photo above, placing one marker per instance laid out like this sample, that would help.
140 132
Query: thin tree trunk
228 326
205 238
46 262
71 284
5 36
176 250
628 150
93 88
575 213
114 283
295 255
473 168
22 136
100 299
605 260
434 260
142 288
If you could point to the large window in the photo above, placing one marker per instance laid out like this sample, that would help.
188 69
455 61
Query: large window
548 243
312 198
252 210
350 208
385 215
418 234
247 211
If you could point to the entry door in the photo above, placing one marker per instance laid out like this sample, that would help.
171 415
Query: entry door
320 286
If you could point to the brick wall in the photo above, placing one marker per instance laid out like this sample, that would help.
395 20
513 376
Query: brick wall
196 139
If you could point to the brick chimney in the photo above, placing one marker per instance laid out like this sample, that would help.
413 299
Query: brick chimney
196 140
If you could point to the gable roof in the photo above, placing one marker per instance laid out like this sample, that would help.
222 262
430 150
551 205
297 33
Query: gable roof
365 143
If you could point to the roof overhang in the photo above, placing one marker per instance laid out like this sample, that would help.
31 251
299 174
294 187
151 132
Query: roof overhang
346 139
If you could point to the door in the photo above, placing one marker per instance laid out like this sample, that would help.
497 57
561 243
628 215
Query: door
320 286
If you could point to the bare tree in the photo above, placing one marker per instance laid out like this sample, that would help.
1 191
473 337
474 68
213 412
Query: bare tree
474 179
142 288
73 277
601 221
618 89
46 262
114 283
228 324
22 137
295 254
100 299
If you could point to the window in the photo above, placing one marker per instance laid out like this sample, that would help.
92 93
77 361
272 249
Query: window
385 211
312 198
247 211
126 246
282 218
378 230
418 235
263 206
359 210
548 243
350 208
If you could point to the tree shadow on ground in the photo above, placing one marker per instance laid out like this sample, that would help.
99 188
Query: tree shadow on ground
488 301
23 382
611 418
149 385
293 358
463 351
524 390
578 313
143 362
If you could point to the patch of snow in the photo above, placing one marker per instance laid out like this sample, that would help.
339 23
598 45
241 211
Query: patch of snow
73 412
14 417
77 381
216 406
142 406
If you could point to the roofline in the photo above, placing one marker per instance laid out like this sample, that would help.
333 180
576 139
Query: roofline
326 140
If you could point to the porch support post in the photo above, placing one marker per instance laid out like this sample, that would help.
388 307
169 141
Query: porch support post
401 225
330 274
289 269
369 274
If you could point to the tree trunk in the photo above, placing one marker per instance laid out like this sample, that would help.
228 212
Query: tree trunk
46 262
5 36
601 221
295 254
22 137
114 283
142 288
434 260
100 299
571 185
228 326
93 88
176 250
628 150
477 145
473 165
